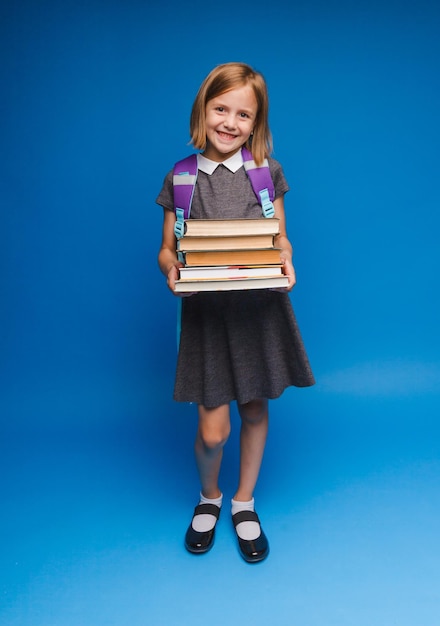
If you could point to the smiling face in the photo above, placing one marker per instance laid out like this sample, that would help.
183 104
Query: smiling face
230 120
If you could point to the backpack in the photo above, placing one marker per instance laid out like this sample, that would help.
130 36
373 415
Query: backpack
184 182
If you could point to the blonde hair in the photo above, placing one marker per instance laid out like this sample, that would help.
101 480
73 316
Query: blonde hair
224 78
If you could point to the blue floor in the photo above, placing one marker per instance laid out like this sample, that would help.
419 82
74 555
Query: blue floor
93 520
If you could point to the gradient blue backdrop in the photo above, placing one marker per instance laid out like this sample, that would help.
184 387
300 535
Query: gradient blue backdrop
95 100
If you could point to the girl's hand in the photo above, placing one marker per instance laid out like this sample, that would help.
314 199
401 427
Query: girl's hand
289 271
173 275
168 261
283 243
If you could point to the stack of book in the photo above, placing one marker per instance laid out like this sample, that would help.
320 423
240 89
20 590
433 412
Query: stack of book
225 255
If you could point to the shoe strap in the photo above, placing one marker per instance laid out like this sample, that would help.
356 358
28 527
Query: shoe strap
207 509
245 516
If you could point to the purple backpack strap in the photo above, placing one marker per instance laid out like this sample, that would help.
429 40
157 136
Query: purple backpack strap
184 182
261 182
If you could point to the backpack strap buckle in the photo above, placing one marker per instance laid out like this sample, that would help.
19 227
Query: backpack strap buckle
179 226
266 203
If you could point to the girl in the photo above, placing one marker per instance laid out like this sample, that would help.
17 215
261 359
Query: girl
237 345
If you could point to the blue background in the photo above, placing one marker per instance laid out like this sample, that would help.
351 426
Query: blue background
97 475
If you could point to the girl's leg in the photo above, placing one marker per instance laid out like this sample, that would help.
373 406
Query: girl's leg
254 426
212 433
252 541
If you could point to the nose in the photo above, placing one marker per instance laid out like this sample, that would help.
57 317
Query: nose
229 120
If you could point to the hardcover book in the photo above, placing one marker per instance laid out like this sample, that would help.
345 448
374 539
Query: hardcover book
266 256
228 271
228 284
237 242
210 228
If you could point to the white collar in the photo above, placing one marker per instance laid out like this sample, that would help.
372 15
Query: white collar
233 163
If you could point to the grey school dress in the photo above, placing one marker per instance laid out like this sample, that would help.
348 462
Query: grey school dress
238 345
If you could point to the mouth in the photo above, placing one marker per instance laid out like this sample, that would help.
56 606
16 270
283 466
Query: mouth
225 136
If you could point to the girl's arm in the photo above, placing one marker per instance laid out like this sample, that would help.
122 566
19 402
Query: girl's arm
282 242
168 262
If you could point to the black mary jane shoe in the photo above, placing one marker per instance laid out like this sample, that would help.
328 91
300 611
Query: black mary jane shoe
252 550
200 542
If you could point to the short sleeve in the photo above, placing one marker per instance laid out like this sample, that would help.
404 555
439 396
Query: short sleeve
166 196
279 181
